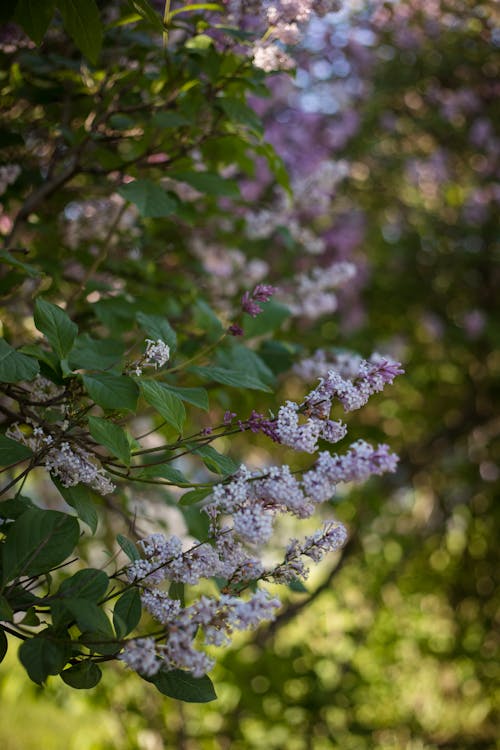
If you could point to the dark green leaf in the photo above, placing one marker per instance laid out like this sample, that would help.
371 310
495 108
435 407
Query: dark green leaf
169 120
3 644
158 327
112 391
197 523
148 13
163 471
42 355
216 461
194 496
127 612
90 584
151 200
82 676
14 507
52 321
165 402
89 616
208 182
11 452
111 436
42 657
196 396
235 378
271 318
15 366
6 612
128 547
240 112
81 498
34 16
37 542
81 21
297 586
177 591
183 686
95 354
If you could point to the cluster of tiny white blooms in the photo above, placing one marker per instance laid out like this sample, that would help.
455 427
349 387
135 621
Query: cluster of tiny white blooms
280 489
253 524
140 655
320 363
157 353
164 559
8 174
215 618
316 189
360 462
90 220
270 57
371 377
304 436
237 563
332 536
229 270
313 295
73 465
44 390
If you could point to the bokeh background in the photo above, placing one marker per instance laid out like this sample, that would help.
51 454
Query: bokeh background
396 644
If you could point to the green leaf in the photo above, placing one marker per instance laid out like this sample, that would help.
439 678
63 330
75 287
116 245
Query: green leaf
34 16
95 354
4 645
111 436
45 356
208 182
157 327
196 396
11 451
177 591
148 13
239 111
196 6
169 120
6 612
151 200
297 586
13 508
90 584
241 359
42 657
183 686
194 496
127 612
165 402
112 391
37 542
81 498
198 524
81 21
271 318
215 461
235 378
89 616
15 366
52 321
163 471
82 676
128 547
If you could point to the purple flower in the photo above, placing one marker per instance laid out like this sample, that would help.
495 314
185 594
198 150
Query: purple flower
261 293
235 330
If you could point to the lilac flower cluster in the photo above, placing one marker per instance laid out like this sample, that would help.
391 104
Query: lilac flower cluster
215 618
70 463
261 293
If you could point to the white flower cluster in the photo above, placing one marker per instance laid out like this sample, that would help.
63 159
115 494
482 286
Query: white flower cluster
313 294
215 618
8 175
89 221
72 464
157 353
320 363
